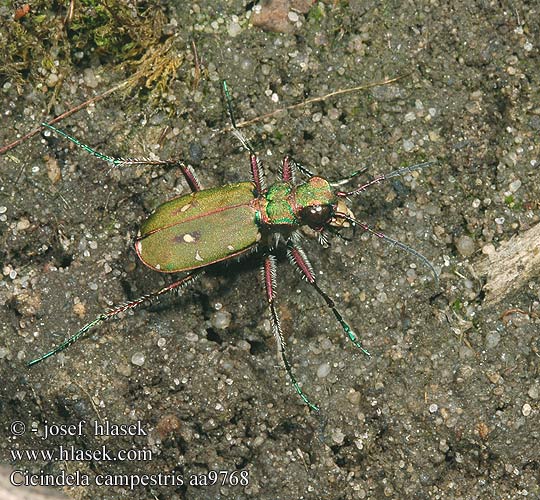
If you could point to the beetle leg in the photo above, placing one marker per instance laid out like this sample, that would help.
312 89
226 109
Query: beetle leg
293 165
269 277
288 169
187 170
115 311
191 177
299 260
257 170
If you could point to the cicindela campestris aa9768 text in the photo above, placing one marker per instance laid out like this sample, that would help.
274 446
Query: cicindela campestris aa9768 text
193 231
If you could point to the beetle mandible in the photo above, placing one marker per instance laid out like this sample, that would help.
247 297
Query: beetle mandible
252 216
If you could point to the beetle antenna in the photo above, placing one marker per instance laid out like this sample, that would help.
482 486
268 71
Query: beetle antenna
349 178
187 170
228 100
383 177
301 168
309 173
236 131
393 242
115 311
109 159
337 232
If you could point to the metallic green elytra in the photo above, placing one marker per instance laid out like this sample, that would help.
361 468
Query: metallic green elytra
195 230
200 228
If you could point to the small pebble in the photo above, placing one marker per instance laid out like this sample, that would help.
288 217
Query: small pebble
492 339
79 309
192 337
323 370
293 17
443 446
333 113
488 249
526 409
408 145
221 319
326 344
53 169
534 391
23 224
465 246
138 359
338 436
90 79
433 408
234 29
409 117
514 186
244 345
52 80
123 369
354 397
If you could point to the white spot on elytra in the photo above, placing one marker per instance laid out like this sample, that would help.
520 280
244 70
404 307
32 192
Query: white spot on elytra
258 237
230 247
158 267
198 257
188 238
185 207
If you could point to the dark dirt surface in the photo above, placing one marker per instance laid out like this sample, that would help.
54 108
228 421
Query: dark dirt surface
447 407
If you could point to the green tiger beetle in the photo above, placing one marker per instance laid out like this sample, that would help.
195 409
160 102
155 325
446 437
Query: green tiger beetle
195 230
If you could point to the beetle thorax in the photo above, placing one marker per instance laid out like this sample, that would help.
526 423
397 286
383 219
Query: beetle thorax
286 205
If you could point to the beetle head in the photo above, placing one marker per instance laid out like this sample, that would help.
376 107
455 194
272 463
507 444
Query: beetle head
316 202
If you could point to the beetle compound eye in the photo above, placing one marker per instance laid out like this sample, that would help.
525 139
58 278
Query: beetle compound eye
317 215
